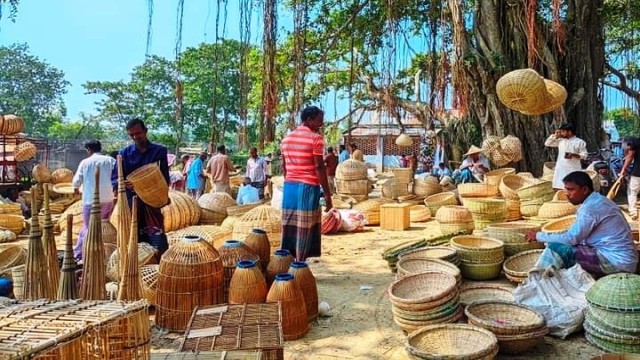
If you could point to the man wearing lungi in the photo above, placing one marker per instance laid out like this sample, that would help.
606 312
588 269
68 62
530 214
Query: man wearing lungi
304 174
600 238
134 156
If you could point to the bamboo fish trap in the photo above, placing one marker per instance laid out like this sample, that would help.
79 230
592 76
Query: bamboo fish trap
68 285
130 288
190 275
36 270
231 252
50 250
94 278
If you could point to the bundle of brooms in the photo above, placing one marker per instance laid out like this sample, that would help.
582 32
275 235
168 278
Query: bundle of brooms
68 286
93 282
130 283
50 251
36 270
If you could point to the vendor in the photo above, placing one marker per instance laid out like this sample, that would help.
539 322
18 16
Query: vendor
600 238
474 166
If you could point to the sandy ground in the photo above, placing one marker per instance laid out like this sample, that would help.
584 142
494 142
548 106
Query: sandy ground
353 279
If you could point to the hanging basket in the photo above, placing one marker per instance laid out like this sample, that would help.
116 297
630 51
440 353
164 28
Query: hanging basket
522 90
404 140
11 124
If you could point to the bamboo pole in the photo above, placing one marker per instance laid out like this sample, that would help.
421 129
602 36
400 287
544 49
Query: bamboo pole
124 217
93 271
68 285
130 282
35 272
50 250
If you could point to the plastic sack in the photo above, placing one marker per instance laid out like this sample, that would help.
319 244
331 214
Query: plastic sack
559 296
352 220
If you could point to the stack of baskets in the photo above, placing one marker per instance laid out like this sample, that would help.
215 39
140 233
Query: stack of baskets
11 124
427 187
509 185
454 220
533 195
213 207
13 223
613 313
443 253
517 327
415 265
435 202
516 268
512 234
452 341
480 257
495 177
351 179
556 209
486 211
425 298
371 209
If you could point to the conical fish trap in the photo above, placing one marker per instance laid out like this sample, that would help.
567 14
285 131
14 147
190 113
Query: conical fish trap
262 217
247 285
182 212
190 275
214 235
231 252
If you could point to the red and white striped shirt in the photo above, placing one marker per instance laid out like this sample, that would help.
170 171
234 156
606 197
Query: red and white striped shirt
298 149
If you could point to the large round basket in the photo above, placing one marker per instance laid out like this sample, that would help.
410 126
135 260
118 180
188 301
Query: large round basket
11 124
556 209
419 213
415 266
182 212
262 217
214 235
355 187
13 223
421 288
25 151
217 202
618 292
486 206
556 96
452 341
41 173
239 210
503 317
146 253
511 147
351 170
150 185
494 177
480 271
61 175
518 265
559 225
509 185
511 232
478 249
426 188
435 202
535 190
470 293
522 90
477 190
453 214
12 256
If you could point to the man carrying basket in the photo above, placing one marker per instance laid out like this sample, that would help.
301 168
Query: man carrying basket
143 152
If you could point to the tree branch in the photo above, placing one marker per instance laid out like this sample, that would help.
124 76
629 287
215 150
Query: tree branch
622 86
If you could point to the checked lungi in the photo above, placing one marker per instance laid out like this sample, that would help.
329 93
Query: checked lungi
565 256
301 220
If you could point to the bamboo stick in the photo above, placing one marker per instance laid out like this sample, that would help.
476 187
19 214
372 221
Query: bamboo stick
124 218
50 250
131 283
93 271
68 285
35 272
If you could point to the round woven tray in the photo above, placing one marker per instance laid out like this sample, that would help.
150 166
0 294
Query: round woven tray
470 293
616 292
452 341
559 225
415 266
503 317
421 288
519 265
516 344
12 256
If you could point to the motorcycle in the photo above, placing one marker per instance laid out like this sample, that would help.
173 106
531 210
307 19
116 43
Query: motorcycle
608 167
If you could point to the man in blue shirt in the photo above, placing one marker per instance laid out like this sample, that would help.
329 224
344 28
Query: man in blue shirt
344 154
247 194
196 177
600 238
134 156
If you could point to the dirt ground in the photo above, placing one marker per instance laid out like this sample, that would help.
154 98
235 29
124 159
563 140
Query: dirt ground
353 279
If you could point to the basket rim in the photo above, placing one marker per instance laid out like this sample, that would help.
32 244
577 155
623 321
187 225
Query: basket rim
491 338
426 298
490 324
497 243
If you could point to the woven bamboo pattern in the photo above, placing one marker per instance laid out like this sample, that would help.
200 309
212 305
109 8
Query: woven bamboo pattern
303 276
516 248
75 210
421 288
511 147
408 266
509 185
150 185
68 285
13 223
559 225
50 250
426 188
522 90
231 252
556 96
535 189
294 313
622 322
12 256
402 175
278 264
452 341
392 189
11 124
480 271
419 213
36 265
470 293
503 317
511 232
247 285
25 151
485 206
149 277
560 195
145 251
10 209
351 170
263 217
208 217
215 235
182 212
616 292
477 249
371 209
495 177
445 253
130 287
513 210
352 187
258 241
477 190
41 173
18 274
239 210
453 214
556 209
61 175
518 265
216 202
435 202
93 282
190 275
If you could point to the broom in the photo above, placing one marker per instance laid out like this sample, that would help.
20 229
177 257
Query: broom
50 250
36 270
130 282
93 271
68 285
614 188
124 218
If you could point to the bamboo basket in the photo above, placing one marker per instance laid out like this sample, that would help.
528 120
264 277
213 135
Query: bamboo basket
145 252
402 175
208 217
212 234
519 265
511 232
522 90
509 185
231 252
559 225
109 232
61 175
229 222
11 124
278 264
452 341
258 241
247 285
435 202
239 210
426 188
478 249
480 271
150 185
12 256
445 253
10 209
556 96
13 223
351 170
216 202
408 266
25 151
303 276
404 140
149 277
556 209
453 214
535 190
262 217
495 177
560 195
392 189
294 313
190 275
485 206
18 274
511 147
470 293
352 187
419 213
504 317
74 210
41 173
181 213
477 190
513 210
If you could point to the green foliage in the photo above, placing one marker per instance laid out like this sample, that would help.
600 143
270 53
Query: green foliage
86 128
30 88
626 120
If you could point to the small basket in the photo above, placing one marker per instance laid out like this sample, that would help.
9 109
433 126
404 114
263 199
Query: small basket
522 90
12 256
470 293
150 185
392 189
453 214
452 341
426 188
25 151
216 202
477 190
435 202
61 175
419 213
559 225
478 249
402 175
511 147
494 177
509 185
511 232
409 266
421 288
519 265
535 190
503 317
556 209
480 271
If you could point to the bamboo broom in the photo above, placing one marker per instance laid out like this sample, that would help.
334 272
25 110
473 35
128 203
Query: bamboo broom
124 219
50 250
130 282
93 271
36 271
68 286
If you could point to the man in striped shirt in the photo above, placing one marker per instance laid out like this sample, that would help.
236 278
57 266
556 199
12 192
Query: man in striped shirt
304 175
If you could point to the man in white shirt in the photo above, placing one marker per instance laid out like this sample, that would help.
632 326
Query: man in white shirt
570 150
247 194
85 176
256 171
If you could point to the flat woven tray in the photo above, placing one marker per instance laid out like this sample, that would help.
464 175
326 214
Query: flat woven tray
236 327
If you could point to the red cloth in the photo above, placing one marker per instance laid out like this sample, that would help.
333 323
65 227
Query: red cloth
331 163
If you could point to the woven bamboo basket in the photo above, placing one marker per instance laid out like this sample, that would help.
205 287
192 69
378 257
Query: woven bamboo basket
228 223
247 285
75 210
452 341
504 317
11 209
231 252
182 212
355 187
240 210
422 289
435 202
516 248
13 223
404 140
278 264
11 124
190 275
560 195
477 190
480 271
513 210
559 225
616 292
470 293
392 189
408 266
217 202
258 241
477 249
556 209
509 185
432 252
25 151
150 185
262 217
518 265
522 90
419 213
65 188
402 175
212 234
511 232
208 217
12 256
18 274
146 253
622 322
303 276
485 206
495 177
453 214
294 313
511 147
61 175
556 96
41 173
109 232
535 190
149 276
426 188
457 228
351 170
548 168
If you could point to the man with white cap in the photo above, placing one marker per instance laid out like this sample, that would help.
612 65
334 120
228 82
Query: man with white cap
474 165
